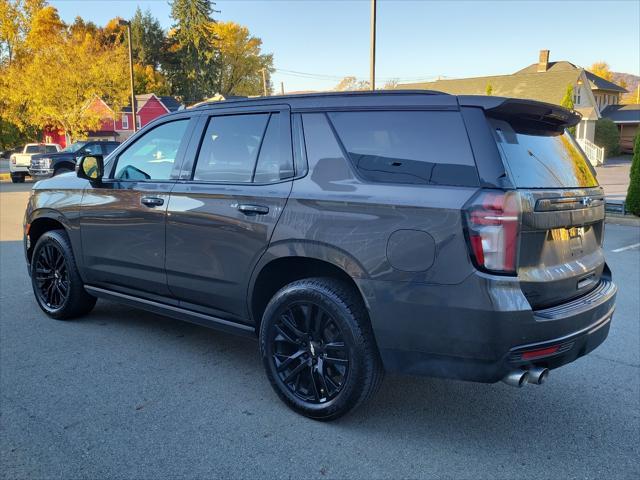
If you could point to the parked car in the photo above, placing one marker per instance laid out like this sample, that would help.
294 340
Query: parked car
6 154
50 164
352 234
19 162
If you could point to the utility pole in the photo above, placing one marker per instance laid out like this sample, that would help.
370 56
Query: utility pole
282 88
124 23
372 56
264 81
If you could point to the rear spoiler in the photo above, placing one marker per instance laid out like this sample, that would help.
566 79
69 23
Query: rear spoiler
525 116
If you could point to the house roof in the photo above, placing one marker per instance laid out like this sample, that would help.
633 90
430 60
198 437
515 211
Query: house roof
549 86
597 83
622 113
171 103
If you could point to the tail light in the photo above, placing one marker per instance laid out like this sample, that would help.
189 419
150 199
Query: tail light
493 227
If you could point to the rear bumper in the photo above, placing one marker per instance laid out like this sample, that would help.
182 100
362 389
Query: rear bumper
480 329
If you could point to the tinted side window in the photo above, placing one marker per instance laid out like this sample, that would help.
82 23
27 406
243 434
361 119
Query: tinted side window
274 164
109 147
93 149
51 149
408 147
230 148
151 157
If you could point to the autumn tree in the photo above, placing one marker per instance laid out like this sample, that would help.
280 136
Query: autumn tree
348 84
391 84
240 60
148 80
59 71
602 70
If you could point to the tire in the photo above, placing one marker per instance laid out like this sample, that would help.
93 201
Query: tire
61 170
56 283
17 178
296 353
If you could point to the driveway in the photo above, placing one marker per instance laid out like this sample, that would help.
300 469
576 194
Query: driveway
614 177
128 394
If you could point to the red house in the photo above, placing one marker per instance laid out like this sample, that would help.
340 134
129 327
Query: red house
119 126
148 107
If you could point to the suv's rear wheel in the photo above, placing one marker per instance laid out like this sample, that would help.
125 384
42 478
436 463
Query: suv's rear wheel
318 348
55 279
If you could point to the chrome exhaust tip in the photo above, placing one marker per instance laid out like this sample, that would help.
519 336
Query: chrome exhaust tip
538 375
517 378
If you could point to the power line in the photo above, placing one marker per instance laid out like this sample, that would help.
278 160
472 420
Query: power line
323 76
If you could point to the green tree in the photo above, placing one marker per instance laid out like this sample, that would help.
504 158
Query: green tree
489 89
147 39
567 102
190 59
607 136
240 61
633 193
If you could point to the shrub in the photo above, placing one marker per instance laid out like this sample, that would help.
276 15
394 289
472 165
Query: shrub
607 136
633 194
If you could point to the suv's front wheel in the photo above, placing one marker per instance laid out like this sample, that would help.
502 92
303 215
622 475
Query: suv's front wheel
55 279
318 348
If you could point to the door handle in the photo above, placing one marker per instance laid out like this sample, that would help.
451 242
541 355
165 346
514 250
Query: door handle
253 209
152 201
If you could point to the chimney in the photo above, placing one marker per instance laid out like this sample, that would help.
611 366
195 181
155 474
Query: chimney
543 62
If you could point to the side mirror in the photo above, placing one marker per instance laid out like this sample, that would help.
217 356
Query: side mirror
91 167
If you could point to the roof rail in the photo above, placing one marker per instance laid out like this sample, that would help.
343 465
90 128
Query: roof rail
239 98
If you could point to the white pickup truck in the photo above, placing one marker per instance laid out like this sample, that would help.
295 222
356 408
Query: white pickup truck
19 163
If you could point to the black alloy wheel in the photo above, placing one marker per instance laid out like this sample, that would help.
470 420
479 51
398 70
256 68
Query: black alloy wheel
318 348
309 353
56 281
51 276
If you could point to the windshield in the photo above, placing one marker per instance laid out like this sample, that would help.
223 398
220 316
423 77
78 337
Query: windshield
74 147
543 161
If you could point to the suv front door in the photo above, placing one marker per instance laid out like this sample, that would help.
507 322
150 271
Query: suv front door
223 211
122 220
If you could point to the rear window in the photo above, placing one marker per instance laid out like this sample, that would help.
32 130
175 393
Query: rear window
543 161
423 147
34 149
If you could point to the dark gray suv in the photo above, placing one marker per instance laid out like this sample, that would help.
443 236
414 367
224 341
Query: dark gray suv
353 234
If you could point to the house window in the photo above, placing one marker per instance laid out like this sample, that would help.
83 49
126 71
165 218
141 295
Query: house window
138 123
576 95
125 122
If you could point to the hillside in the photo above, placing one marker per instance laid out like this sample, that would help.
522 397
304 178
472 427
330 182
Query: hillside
631 81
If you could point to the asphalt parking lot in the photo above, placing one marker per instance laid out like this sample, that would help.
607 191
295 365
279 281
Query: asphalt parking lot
127 394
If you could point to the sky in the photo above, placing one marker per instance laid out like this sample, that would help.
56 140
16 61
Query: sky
317 42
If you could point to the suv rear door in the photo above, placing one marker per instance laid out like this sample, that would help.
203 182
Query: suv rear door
562 222
223 210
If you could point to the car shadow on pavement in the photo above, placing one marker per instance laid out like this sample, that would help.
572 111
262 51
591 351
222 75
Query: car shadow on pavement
406 407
